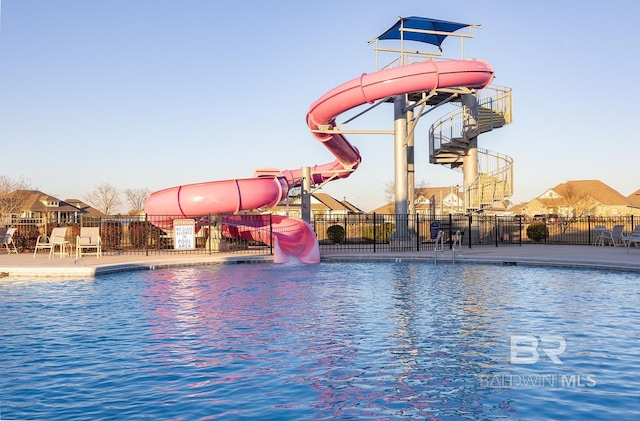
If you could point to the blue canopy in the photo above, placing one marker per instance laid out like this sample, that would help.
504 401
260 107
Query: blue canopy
419 23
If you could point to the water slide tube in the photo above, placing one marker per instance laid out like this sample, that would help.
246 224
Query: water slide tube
293 237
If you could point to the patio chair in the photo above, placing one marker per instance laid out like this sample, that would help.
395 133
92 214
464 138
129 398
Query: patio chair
615 236
57 238
633 237
7 240
89 239
601 235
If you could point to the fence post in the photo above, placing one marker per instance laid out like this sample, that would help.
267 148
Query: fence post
346 233
271 234
497 228
470 219
417 225
146 234
520 229
208 240
374 232
450 231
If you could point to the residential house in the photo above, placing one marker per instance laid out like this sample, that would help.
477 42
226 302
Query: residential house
328 207
579 198
36 207
432 201
86 209
634 200
323 206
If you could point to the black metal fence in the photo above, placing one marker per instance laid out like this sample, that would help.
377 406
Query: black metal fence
379 232
166 234
372 233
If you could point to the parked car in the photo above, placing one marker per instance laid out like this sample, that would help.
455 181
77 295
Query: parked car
553 218
549 218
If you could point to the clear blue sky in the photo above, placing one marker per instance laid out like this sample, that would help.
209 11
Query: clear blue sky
157 93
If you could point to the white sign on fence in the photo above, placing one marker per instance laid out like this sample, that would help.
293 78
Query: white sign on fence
185 234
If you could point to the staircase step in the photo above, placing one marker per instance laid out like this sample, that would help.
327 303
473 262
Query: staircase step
494 112
489 119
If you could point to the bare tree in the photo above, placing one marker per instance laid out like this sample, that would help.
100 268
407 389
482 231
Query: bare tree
579 202
390 190
105 198
12 198
136 199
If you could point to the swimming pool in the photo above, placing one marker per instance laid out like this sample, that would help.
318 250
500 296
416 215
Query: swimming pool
333 340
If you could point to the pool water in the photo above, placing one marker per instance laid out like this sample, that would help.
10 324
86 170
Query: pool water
407 341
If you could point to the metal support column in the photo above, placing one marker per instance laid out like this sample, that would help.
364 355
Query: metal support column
470 160
411 167
306 195
411 177
400 164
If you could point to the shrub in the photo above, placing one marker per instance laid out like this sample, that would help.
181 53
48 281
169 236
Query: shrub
111 235
383 231
335 233
74 230
26 236
139 232
538 231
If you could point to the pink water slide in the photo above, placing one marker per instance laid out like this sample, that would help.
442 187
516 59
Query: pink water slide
294 238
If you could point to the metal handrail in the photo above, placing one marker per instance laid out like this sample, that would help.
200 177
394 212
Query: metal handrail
497 99
452 132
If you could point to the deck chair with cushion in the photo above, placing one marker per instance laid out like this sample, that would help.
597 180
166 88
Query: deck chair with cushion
57 238
7 240
89 239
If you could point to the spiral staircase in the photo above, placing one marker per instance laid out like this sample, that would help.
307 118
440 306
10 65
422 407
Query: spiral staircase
453 143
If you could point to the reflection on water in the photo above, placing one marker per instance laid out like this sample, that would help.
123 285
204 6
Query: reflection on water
360 340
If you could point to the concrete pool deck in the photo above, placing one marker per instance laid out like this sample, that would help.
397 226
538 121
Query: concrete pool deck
23 265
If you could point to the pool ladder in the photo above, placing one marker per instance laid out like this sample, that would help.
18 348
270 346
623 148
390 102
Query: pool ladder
439 245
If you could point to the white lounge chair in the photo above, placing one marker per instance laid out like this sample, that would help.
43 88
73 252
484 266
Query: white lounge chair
7 240
633 237
89 239
615 236
57 238
601 235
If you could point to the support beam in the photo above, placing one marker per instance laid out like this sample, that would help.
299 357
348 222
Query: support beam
411 174
400 165
306 194
470 159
